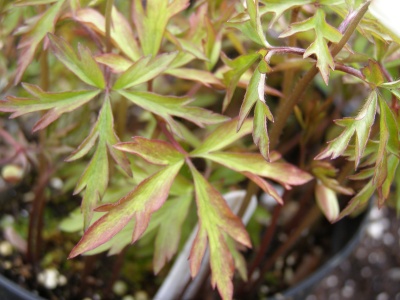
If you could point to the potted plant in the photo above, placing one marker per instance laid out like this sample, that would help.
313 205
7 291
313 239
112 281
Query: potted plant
144 113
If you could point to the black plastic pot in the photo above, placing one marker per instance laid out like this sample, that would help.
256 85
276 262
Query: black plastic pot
346 236
11 291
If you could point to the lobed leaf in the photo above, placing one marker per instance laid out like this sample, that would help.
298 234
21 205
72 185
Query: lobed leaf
154 151
152 20
56 103
139 204
216 220
143 70
360 125
83 65
278 7
324 32
120 32
95 177
168 106
34 32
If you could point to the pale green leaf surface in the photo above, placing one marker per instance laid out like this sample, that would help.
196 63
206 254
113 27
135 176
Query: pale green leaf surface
216 220
260 133
214 142
327 201
83 65
358 200
167 106
143 70
152 21
56 103
278 7
204 77
139 204
117 63
32 2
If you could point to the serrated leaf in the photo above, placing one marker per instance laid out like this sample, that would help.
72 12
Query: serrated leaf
154 151
56 103
143 70
214 142
216 220
260 133
168 106
139 204
83 65
34 32
327 201
324 33
120 32
96 175
360 125
231 78
282 172
151 21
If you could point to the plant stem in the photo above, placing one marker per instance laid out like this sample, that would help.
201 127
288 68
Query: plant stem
109 6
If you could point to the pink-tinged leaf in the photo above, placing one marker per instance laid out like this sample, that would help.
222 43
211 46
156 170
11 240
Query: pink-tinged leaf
82 65
360 125
121 33
151 21
265 186
231 78
56 104
281 172
168 106
115 62
204 77
144 69
96 175
327 201
33 33
139 204
384 185
373 73
214 142
154 151
32 2
216 220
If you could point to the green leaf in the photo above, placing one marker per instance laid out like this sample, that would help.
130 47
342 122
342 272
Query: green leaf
327 201
151 21
282 172
278 7
393 87
143 70
121 33
389 131
55 103
373 73
115 62
204 77
154 151
216 220
358 200
32 2
96 175
260 133
33 33
82 65
324 32
231 78
139 204
214 142
168 106
360 125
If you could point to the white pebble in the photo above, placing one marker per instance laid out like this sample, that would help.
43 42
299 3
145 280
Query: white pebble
49 278
388 239
332 281
120 288
128 297
62 280
141 295
347 291
394 274
6 248
56 183
382 296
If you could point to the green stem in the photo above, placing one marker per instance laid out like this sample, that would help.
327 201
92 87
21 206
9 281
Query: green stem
108 12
